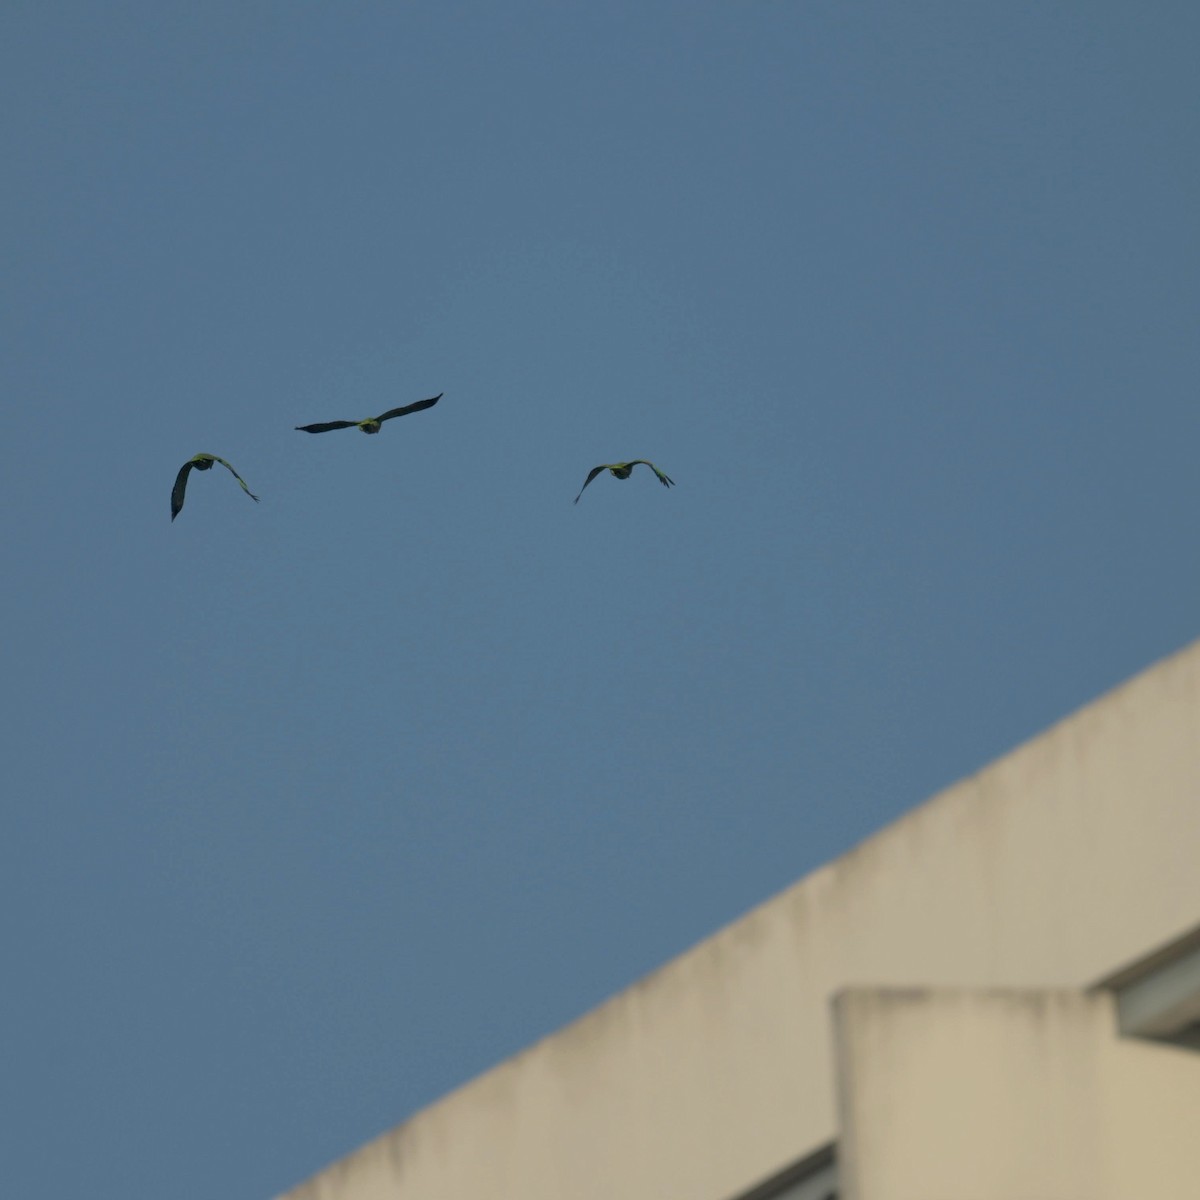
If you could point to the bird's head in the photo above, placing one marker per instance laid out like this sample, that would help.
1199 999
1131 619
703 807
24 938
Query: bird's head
370 426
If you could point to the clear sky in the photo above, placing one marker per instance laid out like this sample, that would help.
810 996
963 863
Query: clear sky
316 808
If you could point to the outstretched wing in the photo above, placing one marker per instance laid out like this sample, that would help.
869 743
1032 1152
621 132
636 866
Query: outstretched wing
665 480
180 487
327 426
591 475
410 408
236 476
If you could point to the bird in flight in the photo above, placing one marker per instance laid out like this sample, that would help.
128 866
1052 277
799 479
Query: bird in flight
202 462
372 424
623 471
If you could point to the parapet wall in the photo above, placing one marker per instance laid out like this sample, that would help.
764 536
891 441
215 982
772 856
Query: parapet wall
1052 868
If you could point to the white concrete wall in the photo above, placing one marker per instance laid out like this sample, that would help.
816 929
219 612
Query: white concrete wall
990 1095
1055 866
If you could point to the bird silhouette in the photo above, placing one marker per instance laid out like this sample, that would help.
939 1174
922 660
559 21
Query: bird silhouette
372 424
201 462
623 471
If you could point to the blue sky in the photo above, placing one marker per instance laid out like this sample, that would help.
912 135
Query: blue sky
317 808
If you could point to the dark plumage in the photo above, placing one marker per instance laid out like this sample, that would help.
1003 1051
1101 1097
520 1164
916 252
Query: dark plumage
372 424
201 462
623 471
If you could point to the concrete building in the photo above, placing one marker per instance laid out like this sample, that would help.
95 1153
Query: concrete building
997 997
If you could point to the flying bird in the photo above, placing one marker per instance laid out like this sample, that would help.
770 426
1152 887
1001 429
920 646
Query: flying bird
623 471
201 462
372 424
